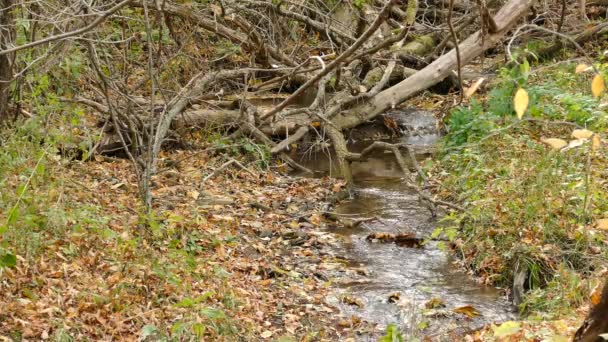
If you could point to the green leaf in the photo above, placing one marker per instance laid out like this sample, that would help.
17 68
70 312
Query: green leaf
21 189
213 313
8 260
40 169
185 303
507 329
392 334
198 329
147 331
178 328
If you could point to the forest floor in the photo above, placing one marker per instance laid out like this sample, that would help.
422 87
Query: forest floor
237 256
241 253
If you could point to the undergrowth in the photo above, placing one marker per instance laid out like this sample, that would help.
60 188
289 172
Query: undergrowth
530 208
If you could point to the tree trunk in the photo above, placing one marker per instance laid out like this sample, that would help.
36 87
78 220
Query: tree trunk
7 30
597 322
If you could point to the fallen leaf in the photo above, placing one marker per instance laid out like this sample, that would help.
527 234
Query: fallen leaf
582 68
434 303
597 85
576 143
507 329
472 89
555 143
468 311
582 134
266 334
194 194
520 102
352 301
602 224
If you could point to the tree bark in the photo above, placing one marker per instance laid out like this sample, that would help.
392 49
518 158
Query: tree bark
7 30
597 322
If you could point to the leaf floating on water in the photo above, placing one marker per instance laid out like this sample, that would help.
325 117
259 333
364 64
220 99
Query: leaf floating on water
352 301
402 240
582 134
468 311
507 329
394 297
434 303
597 85
555 143
520 102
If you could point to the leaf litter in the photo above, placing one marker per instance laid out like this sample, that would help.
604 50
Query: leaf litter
237 258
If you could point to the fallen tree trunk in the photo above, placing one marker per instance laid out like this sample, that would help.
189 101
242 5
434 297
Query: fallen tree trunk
436 71
370 107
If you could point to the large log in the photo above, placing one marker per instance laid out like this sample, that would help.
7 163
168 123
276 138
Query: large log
436 71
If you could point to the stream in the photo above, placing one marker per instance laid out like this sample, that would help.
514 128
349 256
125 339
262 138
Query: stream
417 289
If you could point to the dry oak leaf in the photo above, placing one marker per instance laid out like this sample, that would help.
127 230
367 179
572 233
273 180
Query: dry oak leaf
555 143
582 68
602 224
467 310
582 134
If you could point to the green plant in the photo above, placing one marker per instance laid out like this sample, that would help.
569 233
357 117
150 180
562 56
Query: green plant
392 334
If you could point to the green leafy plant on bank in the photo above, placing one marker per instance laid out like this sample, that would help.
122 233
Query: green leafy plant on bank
527 203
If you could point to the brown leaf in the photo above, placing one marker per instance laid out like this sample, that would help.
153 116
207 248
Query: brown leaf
555 143
468 311
582 68
582 134
602 224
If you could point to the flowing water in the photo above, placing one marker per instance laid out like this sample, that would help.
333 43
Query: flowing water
385 283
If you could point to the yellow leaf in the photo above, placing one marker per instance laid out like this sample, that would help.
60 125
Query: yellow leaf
507 329
520 102
595 143
582 134
597 85
555 143
602 224
582 68
467 310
